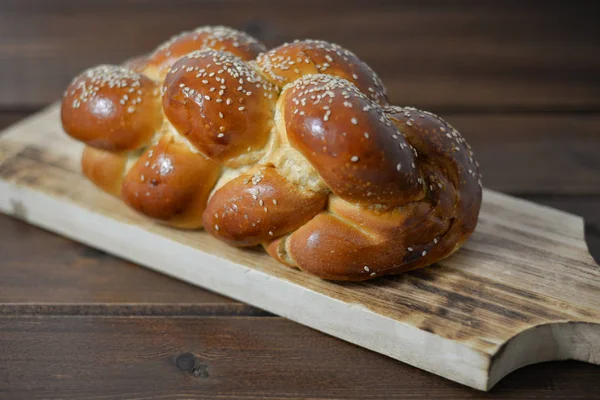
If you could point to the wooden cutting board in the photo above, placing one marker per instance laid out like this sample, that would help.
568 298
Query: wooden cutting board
523 289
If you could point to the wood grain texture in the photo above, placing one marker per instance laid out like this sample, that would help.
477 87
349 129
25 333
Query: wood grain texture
232 358
525 272
59 271
465 54
535 153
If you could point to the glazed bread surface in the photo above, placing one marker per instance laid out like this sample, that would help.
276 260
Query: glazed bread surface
295 149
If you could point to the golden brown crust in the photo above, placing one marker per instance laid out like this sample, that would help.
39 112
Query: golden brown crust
297 150
347 138
259 206
442 147
171 184
111 108
380 242
219 104
291 61
104 168
218 38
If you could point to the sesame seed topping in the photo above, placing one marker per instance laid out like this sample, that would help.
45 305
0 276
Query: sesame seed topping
217 227
354 158
354 121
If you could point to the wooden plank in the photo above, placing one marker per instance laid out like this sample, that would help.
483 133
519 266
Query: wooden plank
535 153
586 206
64 277
467 54
231 358
532 153
522 290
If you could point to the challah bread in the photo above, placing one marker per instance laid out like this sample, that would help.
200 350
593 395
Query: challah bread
295 149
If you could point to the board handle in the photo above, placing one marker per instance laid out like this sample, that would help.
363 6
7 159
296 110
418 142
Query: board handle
554 341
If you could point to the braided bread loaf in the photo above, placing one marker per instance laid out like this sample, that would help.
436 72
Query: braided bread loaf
295 149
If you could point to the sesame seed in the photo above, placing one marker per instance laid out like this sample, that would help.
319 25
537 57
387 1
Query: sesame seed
410 249
241 108
398 166
354 121
354 158
262 203
274 201
373 274
217 227
366 268
220 135
435 240
424 253
206 97
270 233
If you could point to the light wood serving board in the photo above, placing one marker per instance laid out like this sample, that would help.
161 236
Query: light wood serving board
522 290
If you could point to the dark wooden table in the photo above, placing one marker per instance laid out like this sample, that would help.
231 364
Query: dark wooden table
519 78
